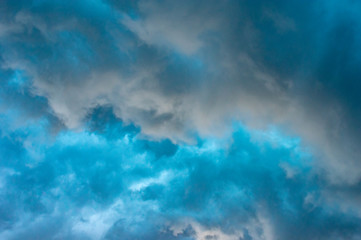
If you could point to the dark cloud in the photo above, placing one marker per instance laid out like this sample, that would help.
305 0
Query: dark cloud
177 69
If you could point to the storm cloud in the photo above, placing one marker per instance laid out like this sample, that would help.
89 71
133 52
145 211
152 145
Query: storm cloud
180 119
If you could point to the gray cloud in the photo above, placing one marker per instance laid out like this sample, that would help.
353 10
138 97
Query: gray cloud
183 68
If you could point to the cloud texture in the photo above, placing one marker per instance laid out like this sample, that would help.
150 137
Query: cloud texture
180 119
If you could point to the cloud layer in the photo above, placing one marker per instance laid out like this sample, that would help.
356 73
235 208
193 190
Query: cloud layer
180 119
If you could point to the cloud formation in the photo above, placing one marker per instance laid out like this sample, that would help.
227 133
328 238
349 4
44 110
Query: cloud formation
180 68
180 119
109 183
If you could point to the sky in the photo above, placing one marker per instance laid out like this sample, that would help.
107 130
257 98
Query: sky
180 120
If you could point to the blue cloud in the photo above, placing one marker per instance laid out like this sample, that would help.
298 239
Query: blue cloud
109 182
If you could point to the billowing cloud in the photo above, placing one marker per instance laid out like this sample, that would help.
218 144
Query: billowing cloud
179 68
180 119
108 183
